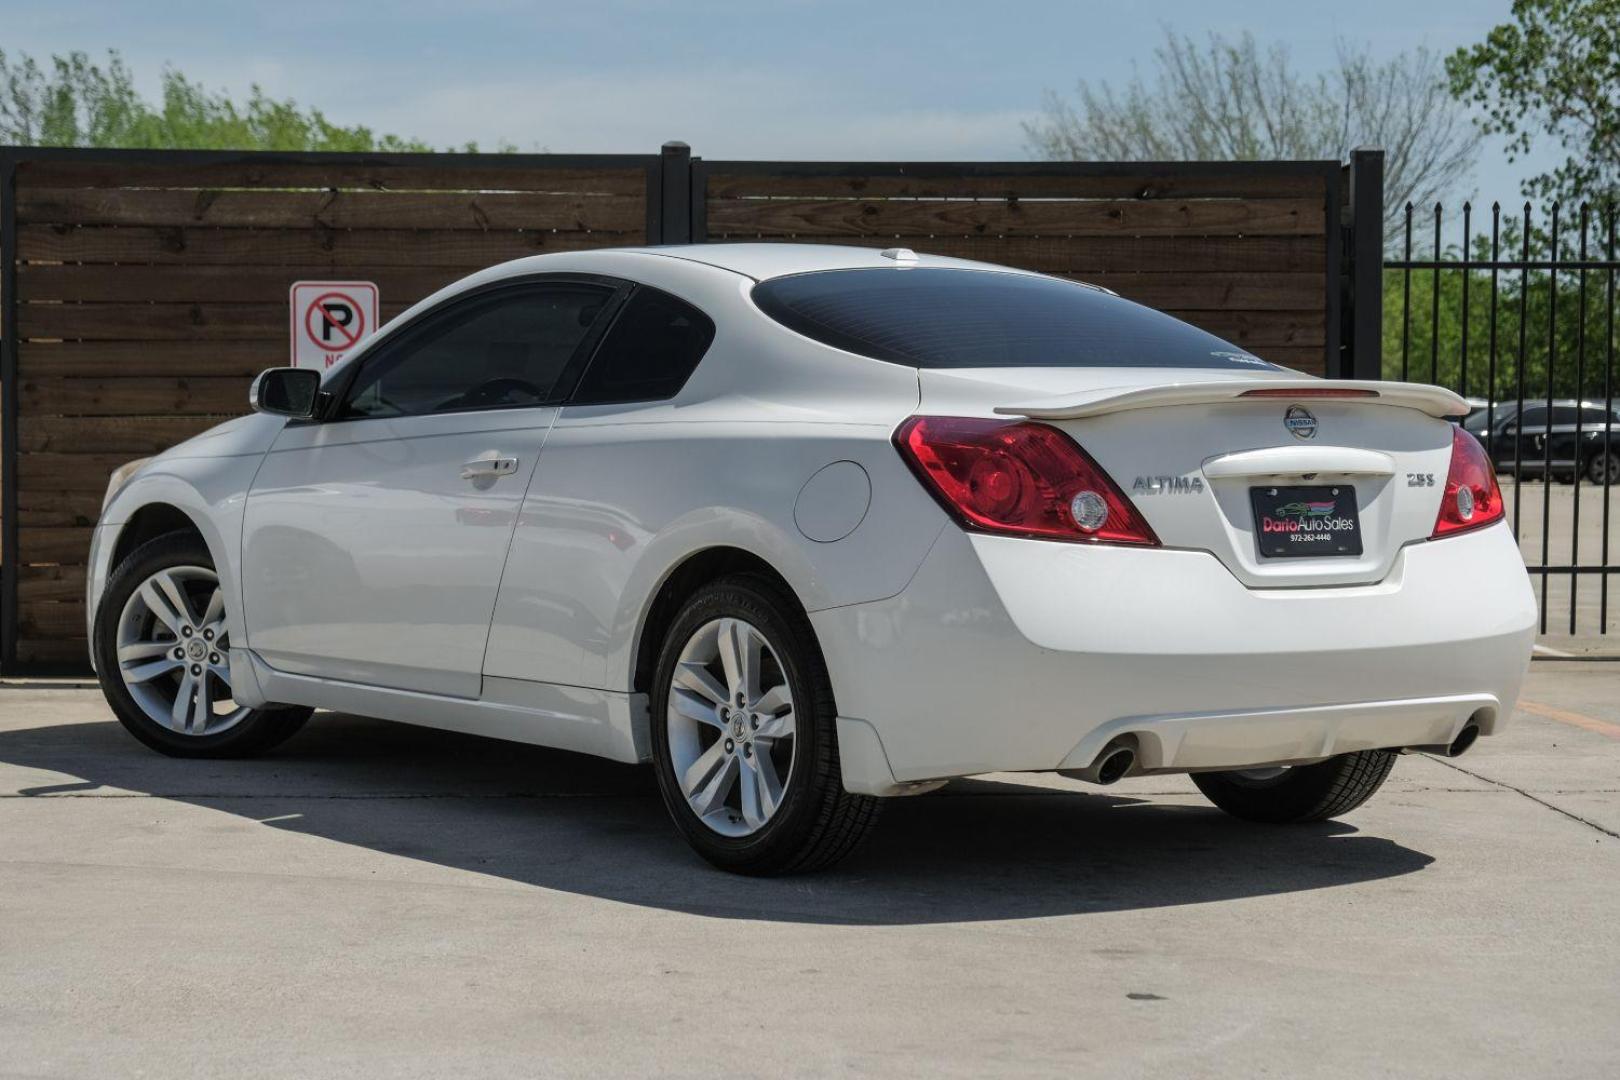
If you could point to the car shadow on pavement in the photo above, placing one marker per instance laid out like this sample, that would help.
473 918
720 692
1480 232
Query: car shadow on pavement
977 850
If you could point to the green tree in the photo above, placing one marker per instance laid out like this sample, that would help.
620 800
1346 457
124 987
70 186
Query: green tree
75 102
1232 101
1552 73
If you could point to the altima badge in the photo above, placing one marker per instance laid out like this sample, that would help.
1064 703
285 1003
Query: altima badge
1167 485
1298 419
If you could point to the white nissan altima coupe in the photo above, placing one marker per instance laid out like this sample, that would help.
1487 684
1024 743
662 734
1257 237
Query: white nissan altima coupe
811 526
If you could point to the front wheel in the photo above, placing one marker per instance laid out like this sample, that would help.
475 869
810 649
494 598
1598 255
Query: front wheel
162 641
745 743
1300 793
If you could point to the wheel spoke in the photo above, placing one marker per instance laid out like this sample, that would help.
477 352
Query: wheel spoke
776 727
693 676
773 699
166 602
222 670
712 795
703 769
214 616
139 673
740 647
143 650
180 714
749 795
202 706
691 706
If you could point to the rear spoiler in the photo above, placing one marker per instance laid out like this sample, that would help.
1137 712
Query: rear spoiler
1434 400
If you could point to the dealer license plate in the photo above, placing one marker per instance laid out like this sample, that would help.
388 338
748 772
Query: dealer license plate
1292 522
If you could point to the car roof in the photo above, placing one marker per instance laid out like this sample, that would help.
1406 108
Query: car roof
767 260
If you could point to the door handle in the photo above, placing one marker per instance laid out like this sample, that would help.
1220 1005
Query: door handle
488 468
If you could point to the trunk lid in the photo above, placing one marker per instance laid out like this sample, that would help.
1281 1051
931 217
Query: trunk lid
1187 449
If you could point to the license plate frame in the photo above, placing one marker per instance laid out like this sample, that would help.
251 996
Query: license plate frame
1313 521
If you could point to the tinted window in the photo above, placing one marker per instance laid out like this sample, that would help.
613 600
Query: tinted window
504 349
1533 417
654 345
938 318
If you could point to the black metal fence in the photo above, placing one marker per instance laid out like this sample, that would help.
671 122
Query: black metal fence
1517 313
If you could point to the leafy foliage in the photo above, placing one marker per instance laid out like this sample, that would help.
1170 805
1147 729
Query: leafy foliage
75 102
1231 100
1553 72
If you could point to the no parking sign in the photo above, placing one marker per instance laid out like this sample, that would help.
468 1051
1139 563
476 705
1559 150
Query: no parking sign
329 318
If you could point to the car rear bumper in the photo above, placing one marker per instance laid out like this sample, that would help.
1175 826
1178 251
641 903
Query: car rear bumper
1006 655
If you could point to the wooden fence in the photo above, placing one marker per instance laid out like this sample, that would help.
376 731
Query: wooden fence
143 290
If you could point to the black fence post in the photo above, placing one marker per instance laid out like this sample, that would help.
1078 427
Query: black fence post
1364 311
675 194
10 621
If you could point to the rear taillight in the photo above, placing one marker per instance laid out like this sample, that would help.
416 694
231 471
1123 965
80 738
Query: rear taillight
1019 478
1472 498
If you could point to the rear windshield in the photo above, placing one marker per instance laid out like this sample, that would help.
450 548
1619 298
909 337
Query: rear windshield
930 317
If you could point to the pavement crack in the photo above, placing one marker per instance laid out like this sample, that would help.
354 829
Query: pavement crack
1533 798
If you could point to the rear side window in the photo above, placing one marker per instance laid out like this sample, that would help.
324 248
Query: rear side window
931 317
653 347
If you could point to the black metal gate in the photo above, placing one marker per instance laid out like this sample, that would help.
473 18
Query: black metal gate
1518 315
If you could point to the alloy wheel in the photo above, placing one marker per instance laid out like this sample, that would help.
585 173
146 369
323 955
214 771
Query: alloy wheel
731 727
173 654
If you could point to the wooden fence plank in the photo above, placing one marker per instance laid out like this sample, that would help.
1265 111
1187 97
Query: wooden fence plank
57 507
149 359
161 322
204 284
339 251
1256 328
1131 183
1105 254
69 545
136 436
42 583
631 179
479 211
50 618
137 396
806 218
1217 292
64 653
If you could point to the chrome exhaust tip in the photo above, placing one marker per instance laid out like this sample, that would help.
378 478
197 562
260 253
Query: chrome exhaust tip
1111 765
1115 765
1456 747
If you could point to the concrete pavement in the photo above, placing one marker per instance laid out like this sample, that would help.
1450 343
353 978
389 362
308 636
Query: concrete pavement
382 900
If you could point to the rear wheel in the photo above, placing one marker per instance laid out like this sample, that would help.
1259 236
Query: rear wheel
1604 468
745 743
1301 792
162 641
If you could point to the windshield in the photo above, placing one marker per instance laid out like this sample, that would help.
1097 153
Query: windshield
930 317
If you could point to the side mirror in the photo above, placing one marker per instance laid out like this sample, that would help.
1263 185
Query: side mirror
286 391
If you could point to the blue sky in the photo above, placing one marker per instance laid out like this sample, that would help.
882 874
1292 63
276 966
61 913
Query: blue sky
792 79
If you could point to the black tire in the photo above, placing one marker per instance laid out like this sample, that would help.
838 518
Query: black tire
1604 469
259 731
1303 793
817 822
